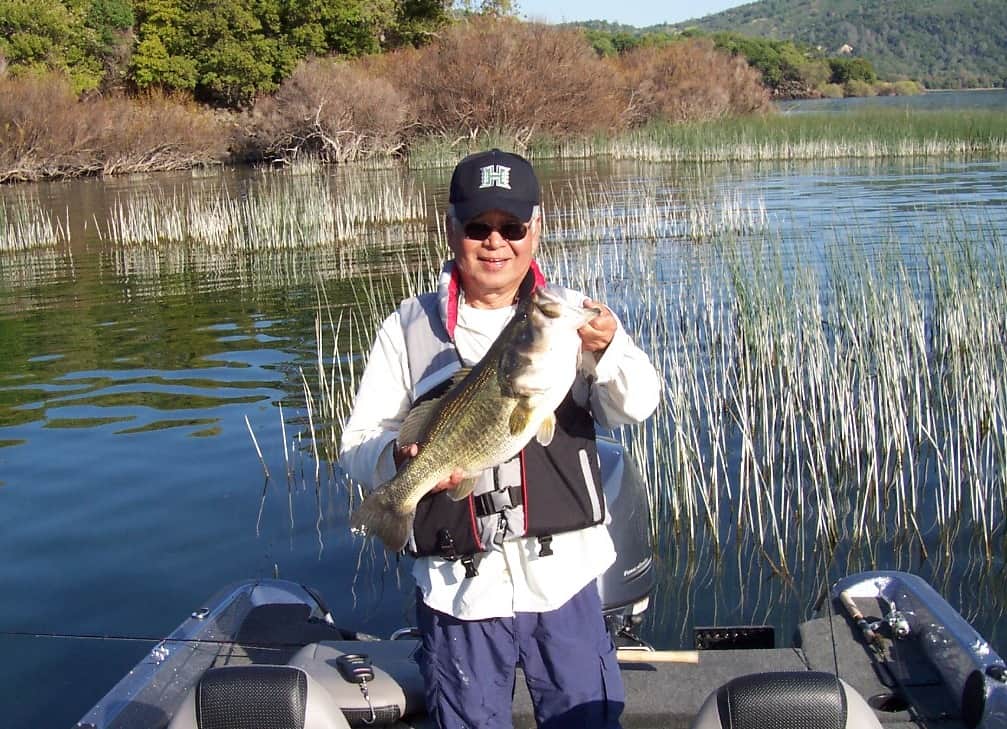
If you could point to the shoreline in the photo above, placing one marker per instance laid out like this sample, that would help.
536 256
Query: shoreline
874 130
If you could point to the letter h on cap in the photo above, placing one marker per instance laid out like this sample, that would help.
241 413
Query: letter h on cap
495 176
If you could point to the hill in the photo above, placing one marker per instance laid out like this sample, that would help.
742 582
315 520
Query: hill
942 43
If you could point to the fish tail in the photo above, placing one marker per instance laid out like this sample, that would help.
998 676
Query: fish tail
379 517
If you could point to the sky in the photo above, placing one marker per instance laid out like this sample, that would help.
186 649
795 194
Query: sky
640 13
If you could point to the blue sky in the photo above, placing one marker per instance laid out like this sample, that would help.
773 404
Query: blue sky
640 13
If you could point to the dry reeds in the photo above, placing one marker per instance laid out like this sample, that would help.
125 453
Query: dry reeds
25 225
284 209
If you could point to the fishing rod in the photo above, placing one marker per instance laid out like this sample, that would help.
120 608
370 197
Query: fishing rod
276 646
879 652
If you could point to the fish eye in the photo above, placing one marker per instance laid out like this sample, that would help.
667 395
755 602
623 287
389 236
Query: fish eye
552 309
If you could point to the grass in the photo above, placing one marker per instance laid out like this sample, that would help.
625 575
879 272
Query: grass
867 134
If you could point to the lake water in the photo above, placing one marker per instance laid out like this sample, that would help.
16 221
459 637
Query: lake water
130 489
988 99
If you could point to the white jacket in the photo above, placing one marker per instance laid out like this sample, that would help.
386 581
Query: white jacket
622 387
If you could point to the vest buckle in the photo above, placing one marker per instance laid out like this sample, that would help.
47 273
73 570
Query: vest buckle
545 546
446 545
470 567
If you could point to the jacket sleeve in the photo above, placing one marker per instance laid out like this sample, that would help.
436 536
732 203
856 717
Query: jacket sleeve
382 403
621 384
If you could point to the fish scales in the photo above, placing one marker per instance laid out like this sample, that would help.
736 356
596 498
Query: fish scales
484 419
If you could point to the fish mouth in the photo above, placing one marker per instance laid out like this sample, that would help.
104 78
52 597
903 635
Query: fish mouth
552 304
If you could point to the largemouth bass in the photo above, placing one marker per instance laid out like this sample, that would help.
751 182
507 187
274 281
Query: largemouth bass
489 413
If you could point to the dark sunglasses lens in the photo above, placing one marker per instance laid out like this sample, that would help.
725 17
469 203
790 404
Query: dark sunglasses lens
513 231
482 231
478 231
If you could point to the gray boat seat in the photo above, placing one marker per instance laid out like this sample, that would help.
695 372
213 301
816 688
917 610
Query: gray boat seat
786 700
257 696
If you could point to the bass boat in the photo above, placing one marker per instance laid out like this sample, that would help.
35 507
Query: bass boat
884 650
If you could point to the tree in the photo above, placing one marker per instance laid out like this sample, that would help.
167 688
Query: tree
845 70
228 51
46 35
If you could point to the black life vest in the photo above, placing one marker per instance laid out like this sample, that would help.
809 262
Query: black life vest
541 492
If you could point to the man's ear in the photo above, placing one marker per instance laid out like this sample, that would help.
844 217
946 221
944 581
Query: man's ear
449 229
536 232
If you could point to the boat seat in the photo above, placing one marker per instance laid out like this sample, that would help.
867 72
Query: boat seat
257 696
786 700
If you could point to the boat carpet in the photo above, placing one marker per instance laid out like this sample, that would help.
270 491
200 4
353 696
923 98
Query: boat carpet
670 694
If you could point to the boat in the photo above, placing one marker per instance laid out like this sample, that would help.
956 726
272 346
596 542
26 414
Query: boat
883 650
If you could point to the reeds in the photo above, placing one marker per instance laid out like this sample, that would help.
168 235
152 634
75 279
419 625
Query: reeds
282 210
804 408
25 225
862 134
849 400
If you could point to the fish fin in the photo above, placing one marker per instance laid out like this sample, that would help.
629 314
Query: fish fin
519 417
460 374
547 430
378 517
462 490
416 426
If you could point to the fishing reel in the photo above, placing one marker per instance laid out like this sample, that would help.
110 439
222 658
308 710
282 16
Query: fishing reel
896 622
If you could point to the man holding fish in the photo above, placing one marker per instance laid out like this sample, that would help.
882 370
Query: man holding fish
475 422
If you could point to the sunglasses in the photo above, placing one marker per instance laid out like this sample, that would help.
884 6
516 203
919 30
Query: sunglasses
512 231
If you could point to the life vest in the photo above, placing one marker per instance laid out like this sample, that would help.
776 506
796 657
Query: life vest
540 492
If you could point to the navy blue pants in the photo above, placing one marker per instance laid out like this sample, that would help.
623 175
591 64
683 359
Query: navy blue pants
567 657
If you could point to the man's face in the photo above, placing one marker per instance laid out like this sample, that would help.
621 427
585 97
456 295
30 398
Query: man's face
490 263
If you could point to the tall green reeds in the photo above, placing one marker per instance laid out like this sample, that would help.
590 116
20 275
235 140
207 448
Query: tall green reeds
883 133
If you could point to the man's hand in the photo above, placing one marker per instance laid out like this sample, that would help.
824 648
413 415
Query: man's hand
403 453
596 335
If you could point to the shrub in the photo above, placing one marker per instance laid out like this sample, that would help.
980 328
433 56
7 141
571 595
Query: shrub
333 110
46 132
687 81
40 131
856 87
908 88
157 132
852 69
501 75
831 91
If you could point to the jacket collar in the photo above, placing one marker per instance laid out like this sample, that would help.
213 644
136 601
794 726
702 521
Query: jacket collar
449 289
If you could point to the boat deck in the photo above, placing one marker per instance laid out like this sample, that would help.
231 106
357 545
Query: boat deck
273 622
668 695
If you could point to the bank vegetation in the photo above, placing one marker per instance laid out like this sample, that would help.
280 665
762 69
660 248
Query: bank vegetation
485 76
486 80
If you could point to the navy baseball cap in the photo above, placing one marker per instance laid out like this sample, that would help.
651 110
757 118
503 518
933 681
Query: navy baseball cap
494 180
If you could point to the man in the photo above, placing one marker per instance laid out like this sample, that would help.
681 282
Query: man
489 597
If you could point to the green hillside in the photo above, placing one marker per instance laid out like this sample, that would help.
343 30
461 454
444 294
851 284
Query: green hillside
943 43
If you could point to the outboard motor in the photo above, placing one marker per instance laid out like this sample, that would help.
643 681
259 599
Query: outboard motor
626 586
